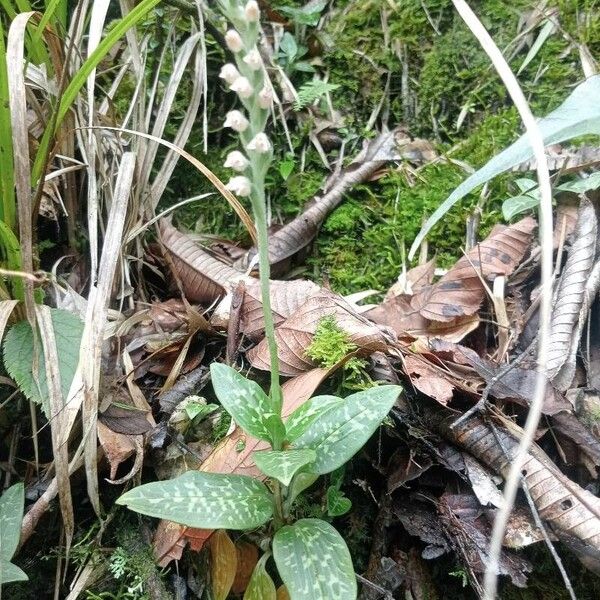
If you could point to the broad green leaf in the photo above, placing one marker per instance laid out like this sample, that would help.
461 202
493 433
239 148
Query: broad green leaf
518 204
337 503
342 431
580 186
246 402
299 421
261 586
299 483
10 573
12 503
283 464
578 115
288 46
18 355
314 562
204 500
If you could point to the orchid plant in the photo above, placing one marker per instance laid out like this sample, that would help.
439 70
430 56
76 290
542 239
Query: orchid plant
320 436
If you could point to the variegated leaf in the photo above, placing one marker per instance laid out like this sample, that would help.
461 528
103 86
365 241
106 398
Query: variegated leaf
314 562
283 464
10 572
299 421
204 500
342 431
301 482
261 586
246 402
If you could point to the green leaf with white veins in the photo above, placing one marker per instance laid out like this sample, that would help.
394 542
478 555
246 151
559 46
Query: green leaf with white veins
246 402
204 500
342 431
283 464
300 420
314 562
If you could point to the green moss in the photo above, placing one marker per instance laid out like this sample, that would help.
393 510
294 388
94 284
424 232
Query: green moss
330 343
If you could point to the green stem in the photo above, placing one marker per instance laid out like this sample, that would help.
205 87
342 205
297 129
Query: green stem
260 217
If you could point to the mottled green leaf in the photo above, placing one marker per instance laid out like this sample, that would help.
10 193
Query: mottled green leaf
518 204
18 355
578 115
246 402
580 186
314 562
261 586
283 464
10 572
299 483
12 503
342 431
337 503
308 412
204 500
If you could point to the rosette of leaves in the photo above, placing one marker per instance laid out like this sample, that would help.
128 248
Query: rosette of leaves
316 439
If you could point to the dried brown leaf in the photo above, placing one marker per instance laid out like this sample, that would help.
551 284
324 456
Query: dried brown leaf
203 277
427 379
117 447
460 292
125 420
223 563
247 557
295 334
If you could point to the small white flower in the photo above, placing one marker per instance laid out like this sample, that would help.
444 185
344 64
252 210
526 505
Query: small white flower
253 59
233 40
252 11
237 161
236 120
265 97
260 143
239 185
229 73
242 87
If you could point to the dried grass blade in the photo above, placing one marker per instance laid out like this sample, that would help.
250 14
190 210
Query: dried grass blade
60 448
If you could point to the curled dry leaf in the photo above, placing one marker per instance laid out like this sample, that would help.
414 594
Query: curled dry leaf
570 292
460 292
299 233
286 298
202 277
223 563
295 334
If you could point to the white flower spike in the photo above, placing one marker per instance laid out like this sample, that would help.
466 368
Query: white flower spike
260 143
239 185
252 11
237 121
229 73
242 87
253 59
234 41
237 161
265 97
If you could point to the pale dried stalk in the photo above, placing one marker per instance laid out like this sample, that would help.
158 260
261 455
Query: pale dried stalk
537 143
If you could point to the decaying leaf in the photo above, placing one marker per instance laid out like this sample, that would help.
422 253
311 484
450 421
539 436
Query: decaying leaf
460 292
427 379
299 233
295 334
247 557
202 277
223 563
